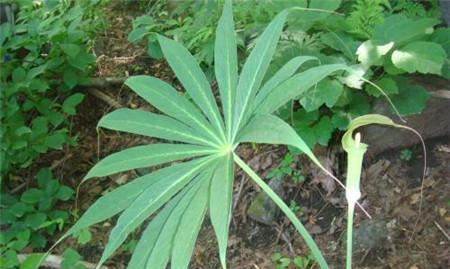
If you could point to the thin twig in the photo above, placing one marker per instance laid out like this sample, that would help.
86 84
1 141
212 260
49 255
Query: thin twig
442 230
104 97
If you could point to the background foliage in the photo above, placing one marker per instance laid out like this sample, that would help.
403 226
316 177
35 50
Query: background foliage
357 36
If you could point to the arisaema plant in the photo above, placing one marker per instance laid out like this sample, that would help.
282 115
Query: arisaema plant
355 150
202 139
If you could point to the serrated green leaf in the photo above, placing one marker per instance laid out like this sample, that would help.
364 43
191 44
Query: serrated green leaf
371 53
401 30
221 195
387 84
326 92
411 99
420 56
193 79
323 130
225 64
254 70
442 37
145 156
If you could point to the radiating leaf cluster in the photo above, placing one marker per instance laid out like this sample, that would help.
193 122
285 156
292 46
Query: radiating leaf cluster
176 197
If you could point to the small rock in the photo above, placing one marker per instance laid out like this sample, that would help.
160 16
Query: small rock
263 209
371 234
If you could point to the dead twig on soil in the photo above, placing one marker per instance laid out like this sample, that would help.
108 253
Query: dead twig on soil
442 230
104 97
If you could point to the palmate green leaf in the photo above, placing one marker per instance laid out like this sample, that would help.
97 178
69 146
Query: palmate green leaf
193 79
145 156
166 99
295 86
191 187
150 200
254 69
220 203
420 56
225 64
150 124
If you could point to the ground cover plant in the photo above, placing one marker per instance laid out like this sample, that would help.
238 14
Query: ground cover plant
44 54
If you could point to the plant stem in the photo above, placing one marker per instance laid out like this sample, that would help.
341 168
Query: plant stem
287 211
351 209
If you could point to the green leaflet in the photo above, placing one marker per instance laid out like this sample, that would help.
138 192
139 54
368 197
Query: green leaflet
270 129
315 251
150 124
147 241
145 156
295 86
150 200
193 79
119 199
165 241
225 64
166 99
220 203
281 75
254 70
189 226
